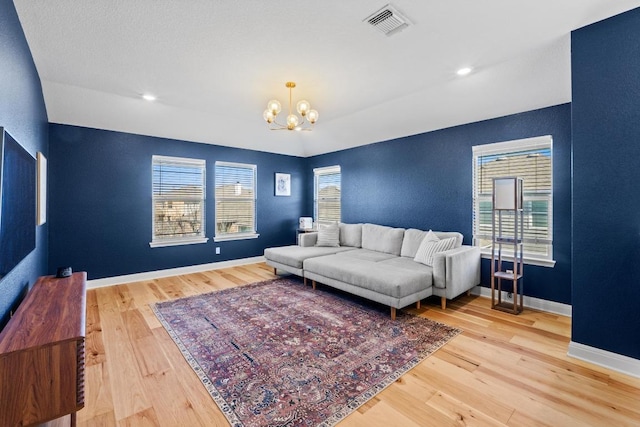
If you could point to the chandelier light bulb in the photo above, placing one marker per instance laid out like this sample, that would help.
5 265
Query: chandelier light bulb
268 116
312 116
274 106
292 121
303 107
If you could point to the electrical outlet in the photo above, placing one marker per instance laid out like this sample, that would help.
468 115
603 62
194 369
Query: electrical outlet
509 295
217 250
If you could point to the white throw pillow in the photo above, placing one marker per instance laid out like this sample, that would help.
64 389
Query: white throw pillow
423 248
428 247
329 235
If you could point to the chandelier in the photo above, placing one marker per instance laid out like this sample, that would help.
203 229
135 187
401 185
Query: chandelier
309 116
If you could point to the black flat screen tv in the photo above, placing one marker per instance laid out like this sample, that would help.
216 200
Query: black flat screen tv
17 203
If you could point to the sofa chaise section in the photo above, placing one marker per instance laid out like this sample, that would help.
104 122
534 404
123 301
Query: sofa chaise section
291 258
393 286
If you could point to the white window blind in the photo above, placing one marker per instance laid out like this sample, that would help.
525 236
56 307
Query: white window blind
235 201
178 200
532 160
327 194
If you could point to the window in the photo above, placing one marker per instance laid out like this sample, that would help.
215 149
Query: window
235 201
326 194
178 201
530 159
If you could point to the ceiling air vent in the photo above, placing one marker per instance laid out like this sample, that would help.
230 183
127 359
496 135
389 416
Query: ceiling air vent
388 20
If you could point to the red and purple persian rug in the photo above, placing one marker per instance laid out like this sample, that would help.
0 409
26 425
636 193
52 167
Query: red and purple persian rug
277 353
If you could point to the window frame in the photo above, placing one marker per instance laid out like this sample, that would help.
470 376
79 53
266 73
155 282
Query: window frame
253 234
544 142
317 172
157 241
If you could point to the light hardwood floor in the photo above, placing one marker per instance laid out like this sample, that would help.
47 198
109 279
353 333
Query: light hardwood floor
502 370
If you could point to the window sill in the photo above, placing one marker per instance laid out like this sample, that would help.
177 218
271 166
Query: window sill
527 260
178 242
239 236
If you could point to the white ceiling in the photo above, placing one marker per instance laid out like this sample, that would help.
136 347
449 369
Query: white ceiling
214 65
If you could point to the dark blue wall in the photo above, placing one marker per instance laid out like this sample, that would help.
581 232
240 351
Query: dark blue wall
23 114
100 198
606 197
425 181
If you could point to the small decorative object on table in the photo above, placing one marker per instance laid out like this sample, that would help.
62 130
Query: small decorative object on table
63 272
305 223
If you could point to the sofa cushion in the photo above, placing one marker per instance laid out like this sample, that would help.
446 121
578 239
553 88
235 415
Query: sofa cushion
295 255
368 255
428 247
407 264
329 235
411 242
382 239
374 276
351 235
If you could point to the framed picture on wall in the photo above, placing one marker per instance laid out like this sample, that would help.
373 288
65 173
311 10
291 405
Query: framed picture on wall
41 201
283 184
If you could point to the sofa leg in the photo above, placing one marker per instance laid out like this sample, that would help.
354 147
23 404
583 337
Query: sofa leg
393 313
443 303
313 284
418 305
275 271
304 280
469 293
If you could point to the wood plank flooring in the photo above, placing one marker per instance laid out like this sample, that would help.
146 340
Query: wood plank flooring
502 370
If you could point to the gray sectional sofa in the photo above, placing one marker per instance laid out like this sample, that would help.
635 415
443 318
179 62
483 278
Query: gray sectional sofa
383 264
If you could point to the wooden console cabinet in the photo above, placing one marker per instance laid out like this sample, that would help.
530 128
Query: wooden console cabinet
42 353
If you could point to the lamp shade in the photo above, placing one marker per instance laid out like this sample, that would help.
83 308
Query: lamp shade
507 193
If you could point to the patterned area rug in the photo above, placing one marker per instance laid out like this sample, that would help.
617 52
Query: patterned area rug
277 353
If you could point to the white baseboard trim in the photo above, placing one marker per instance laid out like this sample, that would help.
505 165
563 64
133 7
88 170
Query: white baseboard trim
150 275
531 302
616 362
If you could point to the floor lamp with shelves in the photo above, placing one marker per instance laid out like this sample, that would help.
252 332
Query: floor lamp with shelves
507 231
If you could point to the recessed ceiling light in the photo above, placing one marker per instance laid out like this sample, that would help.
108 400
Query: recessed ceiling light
148 97
464 71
